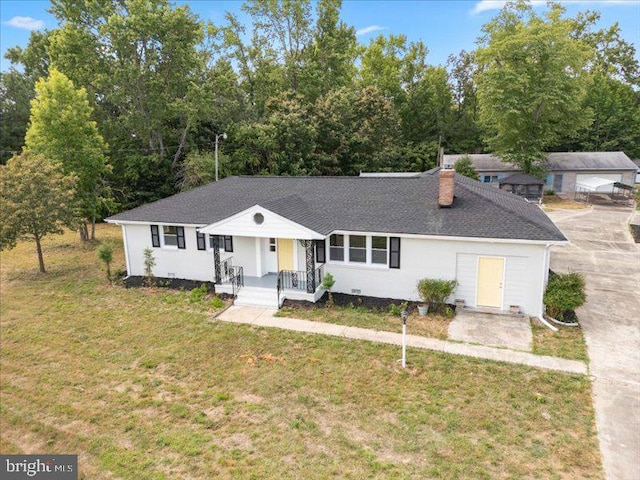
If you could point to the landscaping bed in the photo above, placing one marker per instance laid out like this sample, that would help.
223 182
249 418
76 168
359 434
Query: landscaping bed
140 383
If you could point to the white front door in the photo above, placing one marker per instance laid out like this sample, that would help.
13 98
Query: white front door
270 255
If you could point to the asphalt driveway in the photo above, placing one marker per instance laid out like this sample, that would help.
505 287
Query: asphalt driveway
603 250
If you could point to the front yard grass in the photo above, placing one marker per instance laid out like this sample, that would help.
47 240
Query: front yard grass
567 342
143 385
435 326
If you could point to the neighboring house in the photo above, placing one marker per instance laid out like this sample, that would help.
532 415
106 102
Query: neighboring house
565 169
637 164
278 236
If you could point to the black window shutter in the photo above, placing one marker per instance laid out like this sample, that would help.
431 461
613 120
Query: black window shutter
155 236
228 244
180 232
202 245
321 256
394 252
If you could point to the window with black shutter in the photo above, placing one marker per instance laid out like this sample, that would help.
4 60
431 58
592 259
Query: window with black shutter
201 240
394 252
180 235
155 236
321 255
228 244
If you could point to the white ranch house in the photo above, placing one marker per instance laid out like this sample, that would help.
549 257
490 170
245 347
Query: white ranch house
270 238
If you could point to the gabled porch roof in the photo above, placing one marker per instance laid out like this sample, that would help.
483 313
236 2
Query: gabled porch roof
258 221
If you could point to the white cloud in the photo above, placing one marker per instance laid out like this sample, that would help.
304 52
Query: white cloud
484 5
369 29
26 23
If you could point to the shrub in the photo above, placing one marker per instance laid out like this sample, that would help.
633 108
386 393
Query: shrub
198 293
565 291
397 309
105 253
434 291
149 263
217 302
327 283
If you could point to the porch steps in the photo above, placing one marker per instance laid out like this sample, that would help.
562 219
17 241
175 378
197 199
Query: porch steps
257 297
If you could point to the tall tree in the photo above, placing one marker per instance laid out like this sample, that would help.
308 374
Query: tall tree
62 130
285 27
393 66
531 82
330 62
16 91
463 131
36 199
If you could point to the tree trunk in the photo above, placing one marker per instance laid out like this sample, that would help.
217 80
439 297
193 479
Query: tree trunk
84 231
108 271
40 257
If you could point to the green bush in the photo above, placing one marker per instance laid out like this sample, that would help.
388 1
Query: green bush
434 291
217 302
198 293
327 283
565 291
397 309
105 253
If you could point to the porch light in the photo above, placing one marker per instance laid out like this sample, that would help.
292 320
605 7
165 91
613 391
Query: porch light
218 137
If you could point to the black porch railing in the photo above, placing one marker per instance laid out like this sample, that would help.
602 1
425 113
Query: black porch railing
297 280
231 274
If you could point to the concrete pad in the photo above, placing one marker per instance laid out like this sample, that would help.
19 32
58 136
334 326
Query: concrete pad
603 250
506 331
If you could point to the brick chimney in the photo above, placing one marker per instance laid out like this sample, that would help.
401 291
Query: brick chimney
446 189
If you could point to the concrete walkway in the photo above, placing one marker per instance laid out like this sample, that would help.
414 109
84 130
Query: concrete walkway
602 249
265 318
504 331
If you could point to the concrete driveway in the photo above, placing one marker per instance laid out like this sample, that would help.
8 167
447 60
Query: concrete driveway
602 249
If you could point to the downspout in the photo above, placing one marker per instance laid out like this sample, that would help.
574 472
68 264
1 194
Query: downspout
546 273
126 249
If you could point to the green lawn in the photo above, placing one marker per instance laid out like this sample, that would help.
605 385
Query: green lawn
566 343
428 326
142 385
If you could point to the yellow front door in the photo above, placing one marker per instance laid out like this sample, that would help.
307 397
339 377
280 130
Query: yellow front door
285 254
490 274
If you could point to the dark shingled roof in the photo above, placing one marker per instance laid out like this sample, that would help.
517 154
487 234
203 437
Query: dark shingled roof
366 204
521 179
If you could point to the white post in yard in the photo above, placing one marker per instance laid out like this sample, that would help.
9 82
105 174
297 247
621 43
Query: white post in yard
404 338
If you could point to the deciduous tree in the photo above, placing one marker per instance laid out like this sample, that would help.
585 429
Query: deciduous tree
531 82
36 199
62 130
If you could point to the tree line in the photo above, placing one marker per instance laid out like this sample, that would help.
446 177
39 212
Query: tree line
129 96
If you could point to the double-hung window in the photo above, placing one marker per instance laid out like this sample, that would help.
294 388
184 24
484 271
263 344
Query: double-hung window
225 242
336 248
370 250
357 249
379 250
172 237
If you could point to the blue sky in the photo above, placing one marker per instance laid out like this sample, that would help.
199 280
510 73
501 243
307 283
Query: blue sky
446 27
